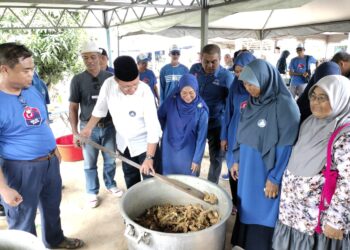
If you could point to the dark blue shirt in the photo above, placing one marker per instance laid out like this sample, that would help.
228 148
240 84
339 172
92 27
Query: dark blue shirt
213 88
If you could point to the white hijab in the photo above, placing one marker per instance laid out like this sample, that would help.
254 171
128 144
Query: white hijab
309 153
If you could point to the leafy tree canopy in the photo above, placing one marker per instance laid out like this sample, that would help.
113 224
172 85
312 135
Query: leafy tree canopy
56 52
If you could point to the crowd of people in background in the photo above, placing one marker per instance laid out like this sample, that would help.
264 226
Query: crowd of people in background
276 138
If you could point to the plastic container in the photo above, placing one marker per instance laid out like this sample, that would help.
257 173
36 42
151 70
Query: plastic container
67 149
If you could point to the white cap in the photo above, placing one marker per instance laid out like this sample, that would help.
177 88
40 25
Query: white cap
142 58
90 46
174 47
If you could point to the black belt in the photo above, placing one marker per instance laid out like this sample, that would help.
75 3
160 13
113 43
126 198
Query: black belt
46 157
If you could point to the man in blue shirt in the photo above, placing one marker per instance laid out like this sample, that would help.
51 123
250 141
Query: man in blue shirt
171 73
40 85
300 71
104 61
147 75
214 83
29 159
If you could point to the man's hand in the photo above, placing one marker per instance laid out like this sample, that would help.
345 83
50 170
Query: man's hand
305 74
194 167
86 133
58 155
234 171
271 190
76 141
11 197
333 233
147 167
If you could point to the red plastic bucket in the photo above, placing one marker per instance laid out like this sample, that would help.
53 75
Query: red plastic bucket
67 150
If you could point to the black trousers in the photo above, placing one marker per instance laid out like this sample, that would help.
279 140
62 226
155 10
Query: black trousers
131 174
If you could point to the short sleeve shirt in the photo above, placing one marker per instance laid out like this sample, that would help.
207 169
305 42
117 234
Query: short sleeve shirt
84 89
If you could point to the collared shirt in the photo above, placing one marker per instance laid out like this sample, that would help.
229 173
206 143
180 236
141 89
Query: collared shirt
213 88
134 116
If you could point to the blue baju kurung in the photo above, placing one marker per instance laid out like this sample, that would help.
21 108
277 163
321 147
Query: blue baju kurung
180 161
255 207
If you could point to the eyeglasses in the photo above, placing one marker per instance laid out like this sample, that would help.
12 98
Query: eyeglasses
320 98
175 53
97 85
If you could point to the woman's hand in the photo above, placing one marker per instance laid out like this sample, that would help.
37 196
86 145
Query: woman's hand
223 145
271 190
234 171
333 233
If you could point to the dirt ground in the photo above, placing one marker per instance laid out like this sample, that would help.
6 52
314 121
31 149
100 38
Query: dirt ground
101 228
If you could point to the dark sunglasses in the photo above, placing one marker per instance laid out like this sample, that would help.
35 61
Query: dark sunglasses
175 53
97 85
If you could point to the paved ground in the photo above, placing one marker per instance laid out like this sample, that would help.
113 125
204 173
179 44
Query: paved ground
101 228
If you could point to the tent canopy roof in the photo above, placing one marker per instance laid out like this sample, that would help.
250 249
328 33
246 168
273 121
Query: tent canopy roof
230 19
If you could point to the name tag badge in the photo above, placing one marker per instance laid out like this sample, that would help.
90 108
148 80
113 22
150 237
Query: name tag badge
94 97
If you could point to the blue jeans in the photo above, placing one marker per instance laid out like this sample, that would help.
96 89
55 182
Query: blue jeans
105 137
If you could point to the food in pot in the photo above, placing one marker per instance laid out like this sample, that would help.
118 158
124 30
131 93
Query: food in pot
178 218
210 198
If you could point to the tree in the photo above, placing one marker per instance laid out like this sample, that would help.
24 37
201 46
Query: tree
55 51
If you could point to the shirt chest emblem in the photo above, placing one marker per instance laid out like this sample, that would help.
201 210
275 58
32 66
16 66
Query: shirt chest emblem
262 123
132 113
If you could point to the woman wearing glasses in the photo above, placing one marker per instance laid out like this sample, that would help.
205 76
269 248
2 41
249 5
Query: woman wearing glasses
184 120
303 180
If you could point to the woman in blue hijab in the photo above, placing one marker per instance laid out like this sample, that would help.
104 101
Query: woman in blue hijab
238 97
266 132
184 120
325 69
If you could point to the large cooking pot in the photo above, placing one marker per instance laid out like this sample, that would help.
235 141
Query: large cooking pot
19 240
151 192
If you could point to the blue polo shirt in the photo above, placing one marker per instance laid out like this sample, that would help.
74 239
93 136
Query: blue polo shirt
298 65
213 88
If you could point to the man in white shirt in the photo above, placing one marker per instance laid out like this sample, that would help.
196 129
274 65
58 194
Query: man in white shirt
131 105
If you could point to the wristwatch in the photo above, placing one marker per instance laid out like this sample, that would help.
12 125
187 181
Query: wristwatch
149 157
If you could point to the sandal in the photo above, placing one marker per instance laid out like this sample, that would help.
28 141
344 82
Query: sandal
70 243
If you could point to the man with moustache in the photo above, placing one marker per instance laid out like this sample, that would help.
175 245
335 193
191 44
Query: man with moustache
214 83
29 159
84 90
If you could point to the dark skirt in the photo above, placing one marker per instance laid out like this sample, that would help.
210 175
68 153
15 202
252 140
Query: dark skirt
288 238
252 237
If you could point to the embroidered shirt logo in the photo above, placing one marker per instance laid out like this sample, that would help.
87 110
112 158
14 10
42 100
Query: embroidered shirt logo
200 105
132 113
261 123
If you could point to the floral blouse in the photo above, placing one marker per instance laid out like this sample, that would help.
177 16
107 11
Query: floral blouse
300 196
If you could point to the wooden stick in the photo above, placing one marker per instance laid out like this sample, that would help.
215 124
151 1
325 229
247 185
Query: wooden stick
174 183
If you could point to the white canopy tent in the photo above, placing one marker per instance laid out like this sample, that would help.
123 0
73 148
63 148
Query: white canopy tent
267 19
